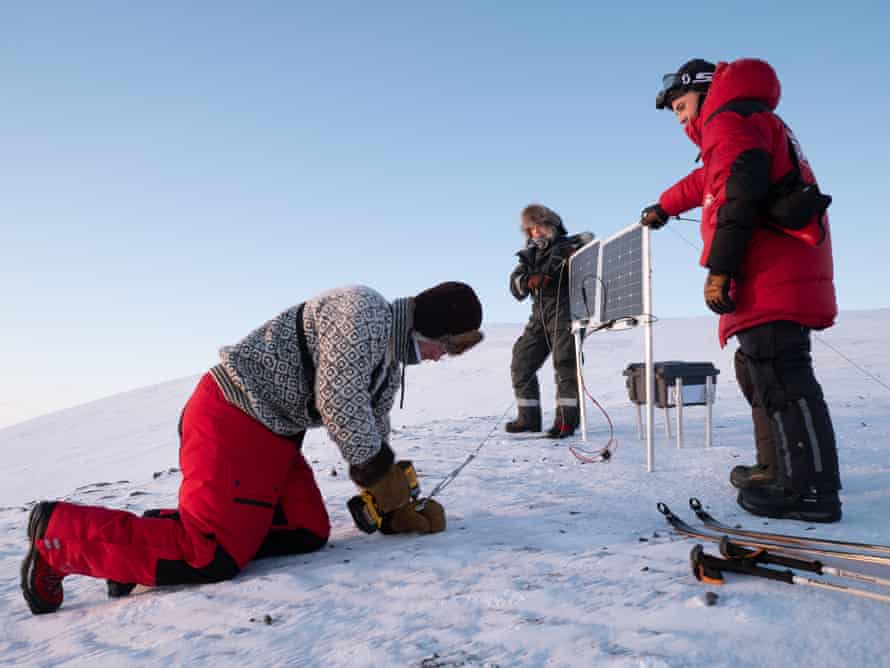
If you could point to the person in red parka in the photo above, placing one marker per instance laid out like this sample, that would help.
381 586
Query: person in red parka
767 248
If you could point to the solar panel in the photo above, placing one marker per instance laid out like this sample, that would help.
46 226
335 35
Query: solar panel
584 282
606 278
607 283
621 288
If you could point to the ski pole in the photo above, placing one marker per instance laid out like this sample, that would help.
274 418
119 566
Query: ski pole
708 568
769 544
712 523
732 550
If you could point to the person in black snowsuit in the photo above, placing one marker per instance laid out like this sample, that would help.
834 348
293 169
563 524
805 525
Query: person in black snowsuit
543 273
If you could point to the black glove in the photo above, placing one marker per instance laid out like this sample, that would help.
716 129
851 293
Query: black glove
717 293
653 216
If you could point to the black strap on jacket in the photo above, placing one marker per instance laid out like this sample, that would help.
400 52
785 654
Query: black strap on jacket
745 108
308 365
791 202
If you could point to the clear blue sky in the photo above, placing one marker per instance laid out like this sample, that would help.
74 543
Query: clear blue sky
173 176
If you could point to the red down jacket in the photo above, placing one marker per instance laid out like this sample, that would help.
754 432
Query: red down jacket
744 150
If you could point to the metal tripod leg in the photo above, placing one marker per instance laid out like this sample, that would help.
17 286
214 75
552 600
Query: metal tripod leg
581 397
708 404
678 401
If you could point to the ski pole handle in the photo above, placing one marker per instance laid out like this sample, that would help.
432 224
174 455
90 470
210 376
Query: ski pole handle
699 510
732 550
713 567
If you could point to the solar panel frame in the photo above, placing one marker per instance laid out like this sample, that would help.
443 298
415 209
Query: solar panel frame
584 288
621 272
611 269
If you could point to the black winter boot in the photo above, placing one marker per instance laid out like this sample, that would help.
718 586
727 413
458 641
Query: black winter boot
752 476
527 419
764 471
782 503
565 423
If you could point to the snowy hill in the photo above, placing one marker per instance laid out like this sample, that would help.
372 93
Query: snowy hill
545 562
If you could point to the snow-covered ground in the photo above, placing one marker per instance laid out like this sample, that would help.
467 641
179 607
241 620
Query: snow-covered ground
546 561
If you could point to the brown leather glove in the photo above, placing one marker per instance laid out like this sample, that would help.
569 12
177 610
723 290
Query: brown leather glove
392 490
537 281
409 520
717 293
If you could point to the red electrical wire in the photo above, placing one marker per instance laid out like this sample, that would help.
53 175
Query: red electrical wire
605 453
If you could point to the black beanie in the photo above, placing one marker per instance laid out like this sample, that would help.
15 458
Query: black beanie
696 74
693 75
448 308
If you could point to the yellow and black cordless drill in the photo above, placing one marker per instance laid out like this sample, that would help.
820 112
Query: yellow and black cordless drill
364 509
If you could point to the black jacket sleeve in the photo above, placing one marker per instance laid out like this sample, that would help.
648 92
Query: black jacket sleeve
746 189
519 282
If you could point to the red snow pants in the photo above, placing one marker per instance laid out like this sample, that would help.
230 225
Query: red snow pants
246 493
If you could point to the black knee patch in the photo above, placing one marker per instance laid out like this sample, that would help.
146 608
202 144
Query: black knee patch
175 572
297 541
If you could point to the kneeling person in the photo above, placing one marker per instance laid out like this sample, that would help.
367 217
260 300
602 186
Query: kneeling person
247 491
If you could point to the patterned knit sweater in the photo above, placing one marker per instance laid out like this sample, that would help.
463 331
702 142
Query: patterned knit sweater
357 340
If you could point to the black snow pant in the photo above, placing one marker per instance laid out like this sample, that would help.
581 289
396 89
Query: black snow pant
776 357
763 430
547 328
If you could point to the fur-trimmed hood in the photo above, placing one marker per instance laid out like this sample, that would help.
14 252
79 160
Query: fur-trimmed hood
538 213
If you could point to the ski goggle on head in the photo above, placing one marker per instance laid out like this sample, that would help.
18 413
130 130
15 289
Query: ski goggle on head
675 84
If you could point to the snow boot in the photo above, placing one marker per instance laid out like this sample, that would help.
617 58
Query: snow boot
782 503
565 423
752 476
527 419
764 471
41 583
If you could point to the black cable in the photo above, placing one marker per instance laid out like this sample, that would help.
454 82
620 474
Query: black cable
687 241
851 362
584 295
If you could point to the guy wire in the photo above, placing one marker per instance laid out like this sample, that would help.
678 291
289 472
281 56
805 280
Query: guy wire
816 336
